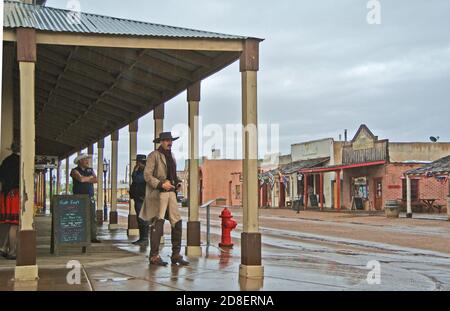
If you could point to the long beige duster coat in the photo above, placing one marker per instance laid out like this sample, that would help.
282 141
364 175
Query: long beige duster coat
155 172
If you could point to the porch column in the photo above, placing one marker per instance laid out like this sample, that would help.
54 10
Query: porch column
133 228
338 190
305 191
100 176
251 263
26 268
408 197
158 117
90 152
113 217
448 201
44 190
58 178
7 104
321 191
67 175
193 226
50 181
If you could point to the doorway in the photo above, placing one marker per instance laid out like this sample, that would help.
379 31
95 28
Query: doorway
378 193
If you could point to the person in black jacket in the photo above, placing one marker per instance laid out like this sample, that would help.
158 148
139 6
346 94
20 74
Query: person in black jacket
137 193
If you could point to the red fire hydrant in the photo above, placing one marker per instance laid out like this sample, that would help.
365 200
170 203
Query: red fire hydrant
228 224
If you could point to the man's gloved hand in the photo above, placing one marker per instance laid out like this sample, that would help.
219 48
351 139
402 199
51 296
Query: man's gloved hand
167 186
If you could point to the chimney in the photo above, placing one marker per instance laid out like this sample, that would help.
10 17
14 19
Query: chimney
215 153
345 134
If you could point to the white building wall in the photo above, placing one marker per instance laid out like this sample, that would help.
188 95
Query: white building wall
313 150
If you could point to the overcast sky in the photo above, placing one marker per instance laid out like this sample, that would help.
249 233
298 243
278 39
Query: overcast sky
323 67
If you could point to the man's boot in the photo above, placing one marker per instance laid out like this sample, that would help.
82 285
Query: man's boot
143 233
177 232
155 239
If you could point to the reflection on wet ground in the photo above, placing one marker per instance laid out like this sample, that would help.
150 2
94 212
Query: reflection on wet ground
292 260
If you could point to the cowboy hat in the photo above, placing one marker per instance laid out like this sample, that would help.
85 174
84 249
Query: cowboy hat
141 158
81 157
164 136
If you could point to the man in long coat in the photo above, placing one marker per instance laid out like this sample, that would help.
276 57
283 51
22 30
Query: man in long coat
160 174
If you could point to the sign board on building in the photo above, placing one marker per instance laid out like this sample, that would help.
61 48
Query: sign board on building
360 181
365 147
394 187
46 162
363 141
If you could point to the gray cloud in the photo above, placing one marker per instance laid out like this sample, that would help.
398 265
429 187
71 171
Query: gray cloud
323 68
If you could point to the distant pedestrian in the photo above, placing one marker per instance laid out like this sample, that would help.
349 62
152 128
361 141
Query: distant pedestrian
10 203
84 179
137 193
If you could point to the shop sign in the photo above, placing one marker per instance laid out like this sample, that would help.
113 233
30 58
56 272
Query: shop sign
360 181
364 141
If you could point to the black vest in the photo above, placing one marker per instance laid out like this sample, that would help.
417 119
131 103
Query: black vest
83 187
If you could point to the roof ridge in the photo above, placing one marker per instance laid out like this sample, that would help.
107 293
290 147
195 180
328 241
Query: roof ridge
121 19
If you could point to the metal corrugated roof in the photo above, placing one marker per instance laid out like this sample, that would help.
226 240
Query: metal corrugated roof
17 14
438 167
293 167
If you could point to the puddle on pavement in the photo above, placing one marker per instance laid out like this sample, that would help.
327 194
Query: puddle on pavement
115 279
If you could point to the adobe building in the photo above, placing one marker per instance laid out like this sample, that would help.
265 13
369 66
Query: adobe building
220 180
372 170
283 185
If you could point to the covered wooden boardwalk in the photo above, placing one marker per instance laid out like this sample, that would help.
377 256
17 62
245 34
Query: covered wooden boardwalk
69 82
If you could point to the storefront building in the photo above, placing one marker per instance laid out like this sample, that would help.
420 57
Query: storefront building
372 171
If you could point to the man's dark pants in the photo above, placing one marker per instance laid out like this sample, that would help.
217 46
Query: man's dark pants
143 225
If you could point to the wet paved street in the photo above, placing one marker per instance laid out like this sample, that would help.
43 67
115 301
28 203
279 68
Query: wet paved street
306 251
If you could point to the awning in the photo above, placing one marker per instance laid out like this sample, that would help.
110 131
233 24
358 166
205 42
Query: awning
99 74
335 168
439 167
296 165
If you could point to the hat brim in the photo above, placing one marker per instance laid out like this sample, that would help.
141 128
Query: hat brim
157 140
77 159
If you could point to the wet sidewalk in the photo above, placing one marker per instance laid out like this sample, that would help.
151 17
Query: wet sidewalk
292 259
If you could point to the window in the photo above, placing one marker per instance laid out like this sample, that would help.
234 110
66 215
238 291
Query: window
414 189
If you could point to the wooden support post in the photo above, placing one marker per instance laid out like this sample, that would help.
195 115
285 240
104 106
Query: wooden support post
251 261
100 182
409 213
158 118
51 188
58 178
193 226
26 268
44 190
321 191
305 191
338 194
67 175
448 200
113 216
133 228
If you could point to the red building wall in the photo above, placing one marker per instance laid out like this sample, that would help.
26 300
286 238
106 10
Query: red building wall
393 175
218 176
429 188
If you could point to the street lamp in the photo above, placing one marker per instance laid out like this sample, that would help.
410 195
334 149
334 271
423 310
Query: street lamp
105 171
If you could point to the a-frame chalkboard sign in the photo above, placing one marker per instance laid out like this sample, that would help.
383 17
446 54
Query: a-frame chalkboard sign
71 222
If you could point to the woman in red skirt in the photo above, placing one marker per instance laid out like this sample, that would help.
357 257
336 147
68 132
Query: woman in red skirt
9 203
